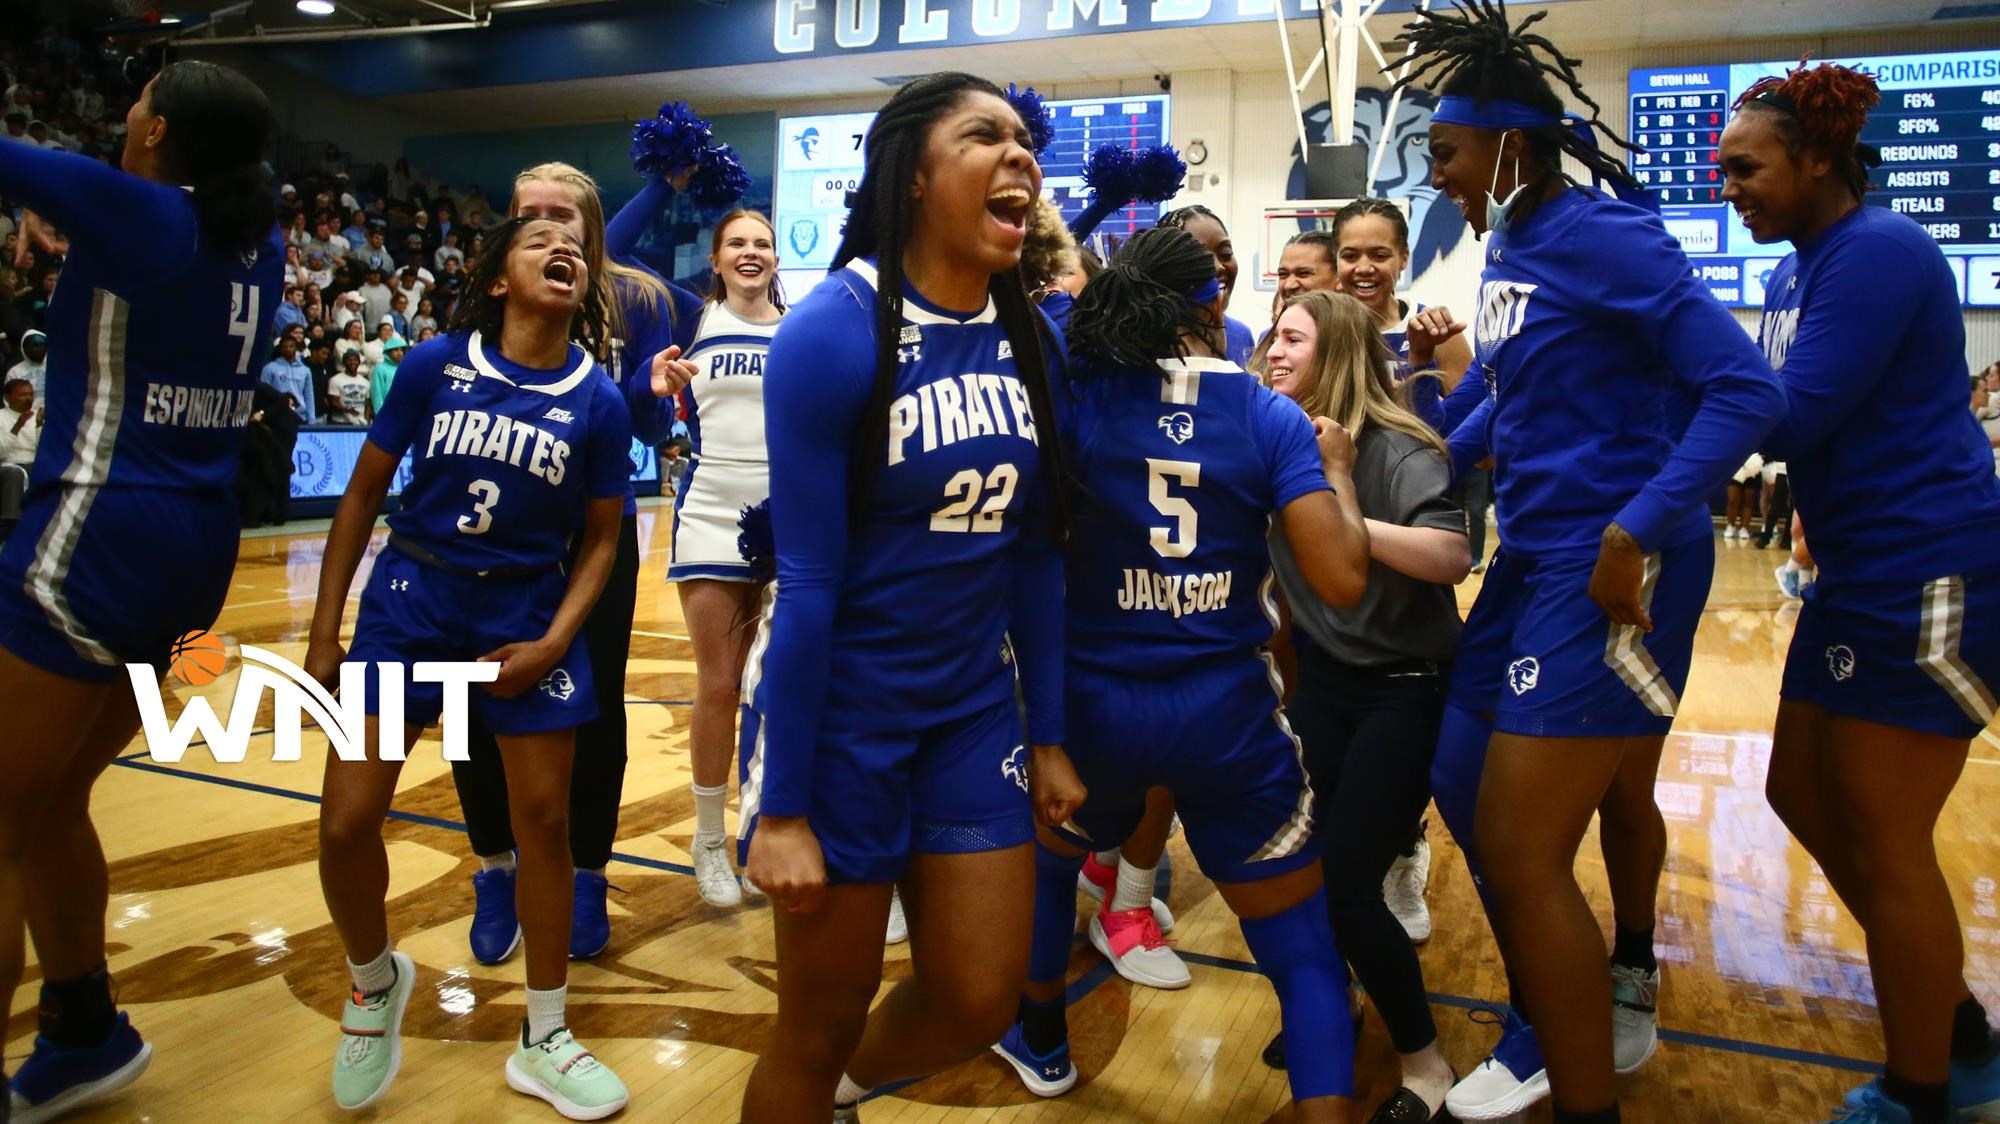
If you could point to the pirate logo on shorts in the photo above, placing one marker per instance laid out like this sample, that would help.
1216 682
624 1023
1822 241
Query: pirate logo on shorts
1015 768
1179 426
1840 661
558 685
1523 674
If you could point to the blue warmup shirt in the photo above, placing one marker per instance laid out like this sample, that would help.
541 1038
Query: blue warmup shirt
155 342
1894 477
1057 305
1179 468
1238 340
899 617
1588 315
502 456
651 325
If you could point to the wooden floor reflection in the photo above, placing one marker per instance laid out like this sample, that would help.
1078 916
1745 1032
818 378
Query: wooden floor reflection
224 955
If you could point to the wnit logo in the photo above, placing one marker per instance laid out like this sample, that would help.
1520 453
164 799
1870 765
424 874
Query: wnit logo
199 659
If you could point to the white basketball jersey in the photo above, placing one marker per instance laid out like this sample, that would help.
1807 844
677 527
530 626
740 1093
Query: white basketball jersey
725 402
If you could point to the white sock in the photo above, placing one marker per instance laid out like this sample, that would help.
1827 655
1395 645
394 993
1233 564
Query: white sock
1135 887
378 974
502 861
708 812
849 1092
545 1012
1107 858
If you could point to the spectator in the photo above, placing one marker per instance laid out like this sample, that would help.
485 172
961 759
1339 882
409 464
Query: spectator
33 366
374 254
349 308
288 196
450 280
319 360
385 372
411 282
376 349
264 485
411 250
1993 378
424 317
296 231
20 431
356 231
316 271
315 311
17 128
89 102
287 375
399 314
374 297
34 304
424 334
347 393
427 234
291 310
672 467
448 249
351 339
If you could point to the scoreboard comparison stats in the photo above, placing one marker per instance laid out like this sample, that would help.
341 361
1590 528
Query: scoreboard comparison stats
1938 130
820 161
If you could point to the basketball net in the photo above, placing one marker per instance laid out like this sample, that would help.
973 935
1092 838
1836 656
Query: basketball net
1341 37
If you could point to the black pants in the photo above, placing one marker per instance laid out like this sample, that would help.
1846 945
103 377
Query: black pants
597 781
1475 493
1369 735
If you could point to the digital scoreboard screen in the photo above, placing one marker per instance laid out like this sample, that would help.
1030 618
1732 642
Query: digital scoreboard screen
1938 129
820 161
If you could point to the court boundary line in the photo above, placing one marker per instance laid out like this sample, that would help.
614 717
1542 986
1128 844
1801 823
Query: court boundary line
1096 976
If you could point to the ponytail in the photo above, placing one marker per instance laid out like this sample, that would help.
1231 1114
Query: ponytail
219 130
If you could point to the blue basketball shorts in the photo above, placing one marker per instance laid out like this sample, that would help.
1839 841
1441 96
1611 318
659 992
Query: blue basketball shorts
959 787
1541 657
93 579
412 612
1921 655
1218 740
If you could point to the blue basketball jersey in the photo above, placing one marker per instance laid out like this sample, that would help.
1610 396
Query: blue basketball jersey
1179 469
502 456
1893 476
155 342
896 616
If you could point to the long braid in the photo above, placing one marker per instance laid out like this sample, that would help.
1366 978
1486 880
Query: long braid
1472 51
1027 331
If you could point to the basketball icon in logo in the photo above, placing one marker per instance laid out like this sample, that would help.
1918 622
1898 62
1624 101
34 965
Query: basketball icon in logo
198 658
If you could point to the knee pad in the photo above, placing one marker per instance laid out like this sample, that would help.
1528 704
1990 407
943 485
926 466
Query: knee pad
1055 914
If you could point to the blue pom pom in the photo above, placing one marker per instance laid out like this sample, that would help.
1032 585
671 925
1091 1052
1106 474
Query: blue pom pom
720 180
755 543
1108 171
670 143
1157 174
1041 123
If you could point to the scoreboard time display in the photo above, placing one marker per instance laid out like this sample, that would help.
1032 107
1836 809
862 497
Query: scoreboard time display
1938 129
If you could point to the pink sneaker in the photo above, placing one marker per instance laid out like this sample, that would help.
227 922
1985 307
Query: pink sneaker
1131 940
1097 879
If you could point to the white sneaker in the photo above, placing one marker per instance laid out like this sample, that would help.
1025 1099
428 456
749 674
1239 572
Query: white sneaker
1131 940
1635 1020
751 892
1403 889
899 929
712 874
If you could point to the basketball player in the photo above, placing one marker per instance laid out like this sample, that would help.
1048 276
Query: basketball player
519 442
1305 264
913 445
648 318
1207 228
1373 249
153 352
1896 481
1574 656
1182 463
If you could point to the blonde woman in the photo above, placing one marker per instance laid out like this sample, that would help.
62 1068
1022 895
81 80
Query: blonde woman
1368 691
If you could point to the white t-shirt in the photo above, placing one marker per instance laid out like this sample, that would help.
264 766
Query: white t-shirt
35 373
18 448
352 392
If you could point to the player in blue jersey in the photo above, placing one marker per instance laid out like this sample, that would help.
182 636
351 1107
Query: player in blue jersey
1207 228
1182 462
1591 328
1895 659
154 346
913 449
1372 249
645 316
519 442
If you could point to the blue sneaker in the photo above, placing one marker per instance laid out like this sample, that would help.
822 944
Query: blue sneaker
1045 1076
496 928
54 1081
1975 1091
1868 1104
1508 1081
589 924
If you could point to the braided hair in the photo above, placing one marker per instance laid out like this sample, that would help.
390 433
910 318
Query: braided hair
1473 52
878 226
1380 208
1821 110
479 310
1180 217
1139 308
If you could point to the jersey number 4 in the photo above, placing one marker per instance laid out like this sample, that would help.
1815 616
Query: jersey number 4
243 321
1177 541
967 490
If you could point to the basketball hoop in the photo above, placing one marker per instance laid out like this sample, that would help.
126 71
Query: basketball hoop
1340 41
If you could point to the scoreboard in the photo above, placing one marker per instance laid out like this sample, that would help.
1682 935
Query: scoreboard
1938 129
820 161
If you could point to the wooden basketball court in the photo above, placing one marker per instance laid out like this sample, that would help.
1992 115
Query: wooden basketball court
222 951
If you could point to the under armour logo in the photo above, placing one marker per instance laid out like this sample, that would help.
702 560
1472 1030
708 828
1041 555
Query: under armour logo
399 584
461 387
557 685
909 354
1523 674
1179 426
1840 662
1015 768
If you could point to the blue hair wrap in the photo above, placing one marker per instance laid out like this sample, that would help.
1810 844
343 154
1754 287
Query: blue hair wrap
1207 293
1493 113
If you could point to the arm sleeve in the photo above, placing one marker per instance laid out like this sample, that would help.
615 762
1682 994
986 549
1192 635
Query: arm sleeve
1291 450
1037 626
403 412
622 233
1467 443
1462 401
610 444
1864 298
652 418
98 206
1425 391
1656 301
816 381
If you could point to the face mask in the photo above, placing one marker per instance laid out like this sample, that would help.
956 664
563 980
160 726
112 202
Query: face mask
1499 212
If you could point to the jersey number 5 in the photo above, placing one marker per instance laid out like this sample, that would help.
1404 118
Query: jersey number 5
486 494
243 301
965 491
1177 541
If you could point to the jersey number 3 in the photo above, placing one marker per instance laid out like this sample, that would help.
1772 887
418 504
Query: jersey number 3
966 490
485 494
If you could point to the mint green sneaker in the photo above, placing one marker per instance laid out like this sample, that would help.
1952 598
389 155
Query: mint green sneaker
371 1040
560 1071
